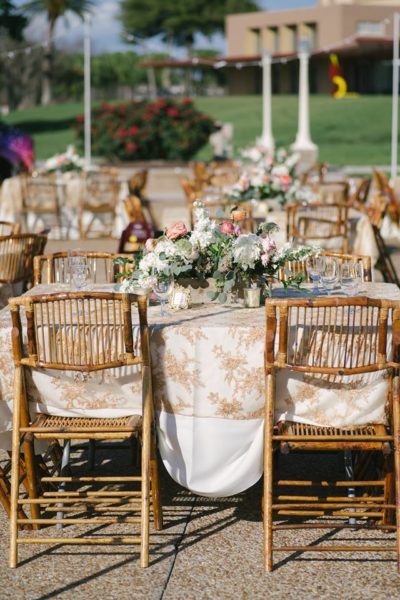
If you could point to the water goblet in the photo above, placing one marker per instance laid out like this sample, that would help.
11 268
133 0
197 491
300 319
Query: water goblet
329 273
161 289
349 274
314 265
80 276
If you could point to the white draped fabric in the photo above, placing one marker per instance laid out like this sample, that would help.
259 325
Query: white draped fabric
208 378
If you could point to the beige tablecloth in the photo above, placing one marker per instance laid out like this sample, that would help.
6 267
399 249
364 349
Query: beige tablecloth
70 190
208 389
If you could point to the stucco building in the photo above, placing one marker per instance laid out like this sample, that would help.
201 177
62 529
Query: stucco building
359 32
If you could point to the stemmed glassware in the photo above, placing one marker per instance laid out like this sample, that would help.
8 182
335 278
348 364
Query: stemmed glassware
314 266
161 289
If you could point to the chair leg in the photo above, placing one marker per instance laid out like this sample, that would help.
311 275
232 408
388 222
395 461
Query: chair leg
268 475
31 477
63 470
91 454
155 488
388 517
145 508
349 471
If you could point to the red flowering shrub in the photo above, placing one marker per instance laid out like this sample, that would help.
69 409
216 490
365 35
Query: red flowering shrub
162 129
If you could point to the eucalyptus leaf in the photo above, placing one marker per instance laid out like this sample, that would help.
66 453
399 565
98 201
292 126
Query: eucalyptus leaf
222 298
212 295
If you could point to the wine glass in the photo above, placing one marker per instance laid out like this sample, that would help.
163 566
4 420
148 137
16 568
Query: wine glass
329 272
161 289
314 265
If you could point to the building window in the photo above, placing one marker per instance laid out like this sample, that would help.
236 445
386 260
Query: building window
371 28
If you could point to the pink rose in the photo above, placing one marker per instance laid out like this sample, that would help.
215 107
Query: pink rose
269 245
176 231
227 227
150 244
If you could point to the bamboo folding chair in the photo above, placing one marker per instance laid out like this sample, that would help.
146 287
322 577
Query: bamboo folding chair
9 228
302 336
40 199
294 267
17 253
324 224
137 183
99 203
53 268
360 196
83 333
376 211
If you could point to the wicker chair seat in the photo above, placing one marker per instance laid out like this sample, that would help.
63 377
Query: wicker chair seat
327 437
43 422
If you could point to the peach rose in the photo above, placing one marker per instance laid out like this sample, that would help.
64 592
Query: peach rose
227 227
239 215
176 231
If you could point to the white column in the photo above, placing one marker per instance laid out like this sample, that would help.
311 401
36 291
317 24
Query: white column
267 139
87 93
303 143
395 96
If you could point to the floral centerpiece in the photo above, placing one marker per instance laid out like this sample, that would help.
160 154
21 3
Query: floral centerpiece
272 177
67 161
215 251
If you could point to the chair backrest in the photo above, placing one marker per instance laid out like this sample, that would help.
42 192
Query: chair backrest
100 190
332 336
137 183
40 194
53 268
360 196
383 186
17 253
80 331
324 224
9 228
294 267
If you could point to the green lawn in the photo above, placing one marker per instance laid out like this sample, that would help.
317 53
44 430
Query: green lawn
351 131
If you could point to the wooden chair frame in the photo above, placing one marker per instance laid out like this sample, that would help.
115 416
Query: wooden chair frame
55 266
88 203
9 228
17 253
339 223
31 203
56 309
279 354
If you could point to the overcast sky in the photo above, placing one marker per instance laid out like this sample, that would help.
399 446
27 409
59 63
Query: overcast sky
106 28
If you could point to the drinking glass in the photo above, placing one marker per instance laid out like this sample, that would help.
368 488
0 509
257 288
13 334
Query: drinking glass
161 289
329 272
80 276
349 277
314 265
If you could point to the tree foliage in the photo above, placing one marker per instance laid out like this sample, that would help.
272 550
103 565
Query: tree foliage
179 21
11 20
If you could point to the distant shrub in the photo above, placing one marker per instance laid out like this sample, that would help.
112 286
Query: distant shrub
162 129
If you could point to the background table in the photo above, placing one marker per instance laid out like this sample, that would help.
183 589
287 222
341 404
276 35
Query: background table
208 390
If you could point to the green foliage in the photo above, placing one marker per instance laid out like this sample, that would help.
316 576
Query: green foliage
179 21
55 9
163 129
12 20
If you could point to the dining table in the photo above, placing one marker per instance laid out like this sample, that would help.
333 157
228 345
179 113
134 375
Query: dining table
208 386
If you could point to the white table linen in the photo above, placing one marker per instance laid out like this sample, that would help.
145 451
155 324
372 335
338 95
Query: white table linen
208 390
70 191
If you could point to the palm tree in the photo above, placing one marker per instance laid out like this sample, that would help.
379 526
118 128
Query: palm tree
54 9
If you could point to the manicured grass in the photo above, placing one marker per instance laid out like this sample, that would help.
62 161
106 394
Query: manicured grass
352 131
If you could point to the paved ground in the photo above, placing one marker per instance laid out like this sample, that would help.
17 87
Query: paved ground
208 549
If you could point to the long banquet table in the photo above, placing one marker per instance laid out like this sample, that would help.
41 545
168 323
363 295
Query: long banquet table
208 389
